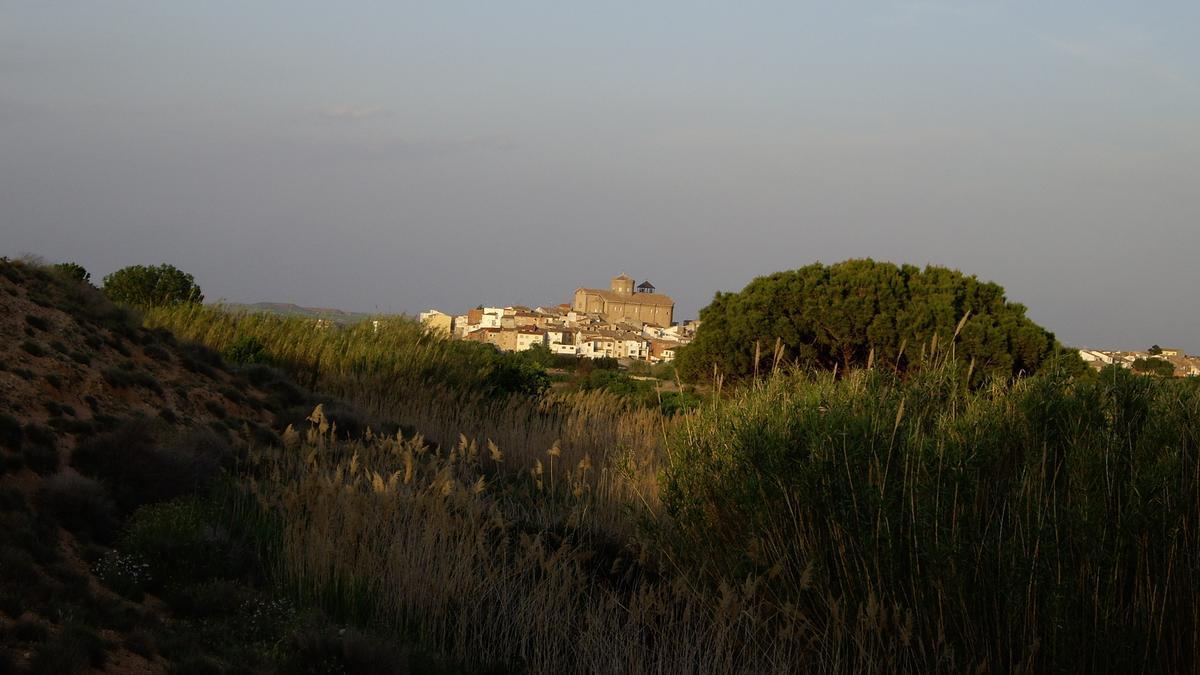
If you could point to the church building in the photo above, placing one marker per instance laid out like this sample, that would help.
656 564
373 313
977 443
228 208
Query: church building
623 301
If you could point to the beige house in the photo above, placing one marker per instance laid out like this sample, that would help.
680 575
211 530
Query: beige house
622 302
436 322
504 340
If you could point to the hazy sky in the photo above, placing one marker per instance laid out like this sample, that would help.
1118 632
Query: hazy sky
392 156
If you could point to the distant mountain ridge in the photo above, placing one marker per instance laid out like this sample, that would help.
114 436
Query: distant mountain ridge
291 309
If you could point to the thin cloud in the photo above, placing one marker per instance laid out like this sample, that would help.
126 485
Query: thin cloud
1127 50
355 112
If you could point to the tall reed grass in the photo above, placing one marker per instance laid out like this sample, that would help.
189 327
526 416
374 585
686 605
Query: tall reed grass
1046 524
803 522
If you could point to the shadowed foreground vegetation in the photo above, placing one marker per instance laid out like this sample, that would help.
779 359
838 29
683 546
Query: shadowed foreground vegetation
440 510
806 523
866 522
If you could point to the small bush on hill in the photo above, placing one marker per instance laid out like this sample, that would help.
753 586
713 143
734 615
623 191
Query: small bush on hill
319 647
143 286
72 271
157 353
40 449
10 432
37 322
23 373
74 650
188 543
33 348
246 350
79 504
123 378
138 470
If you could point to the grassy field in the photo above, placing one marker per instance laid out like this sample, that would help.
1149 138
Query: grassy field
801 522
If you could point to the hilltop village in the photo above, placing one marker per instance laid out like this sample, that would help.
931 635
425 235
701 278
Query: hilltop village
1165 361
625 321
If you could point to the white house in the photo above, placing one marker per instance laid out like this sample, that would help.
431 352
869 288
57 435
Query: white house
633 347
560 348
1093 356
529 336
598 347
493 317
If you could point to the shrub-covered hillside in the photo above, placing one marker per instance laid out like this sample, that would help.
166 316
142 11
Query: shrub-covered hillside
123 546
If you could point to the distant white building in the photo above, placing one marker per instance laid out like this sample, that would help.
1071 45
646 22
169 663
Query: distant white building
435 321
1093 356
597 347
528 337
633 348
557 335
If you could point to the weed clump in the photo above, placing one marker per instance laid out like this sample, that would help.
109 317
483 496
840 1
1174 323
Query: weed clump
80 504
10 432
33 348
40 449
125 378
138 469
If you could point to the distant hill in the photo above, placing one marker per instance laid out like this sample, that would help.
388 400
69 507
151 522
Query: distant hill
290 309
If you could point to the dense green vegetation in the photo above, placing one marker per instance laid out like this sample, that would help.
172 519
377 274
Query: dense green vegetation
145 286
1029 525
1159 367
861 312
73 271
363 362
441 499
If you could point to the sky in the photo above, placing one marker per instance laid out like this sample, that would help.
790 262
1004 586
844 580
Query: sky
392 156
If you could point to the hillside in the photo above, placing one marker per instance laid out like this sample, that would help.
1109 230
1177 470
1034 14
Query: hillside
121 547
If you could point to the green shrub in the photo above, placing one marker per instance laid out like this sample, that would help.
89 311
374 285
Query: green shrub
33 348
181 541
12 499
246 350
149 286
123 378
74 650
23 373
138 469
37 322
211 598
216 409
319 647
57 409
10 432
72 271
27 630
80 504
40 449
141 641
157 353
1159 367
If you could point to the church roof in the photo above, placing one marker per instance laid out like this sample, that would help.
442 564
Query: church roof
624 276
632 298
646 284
